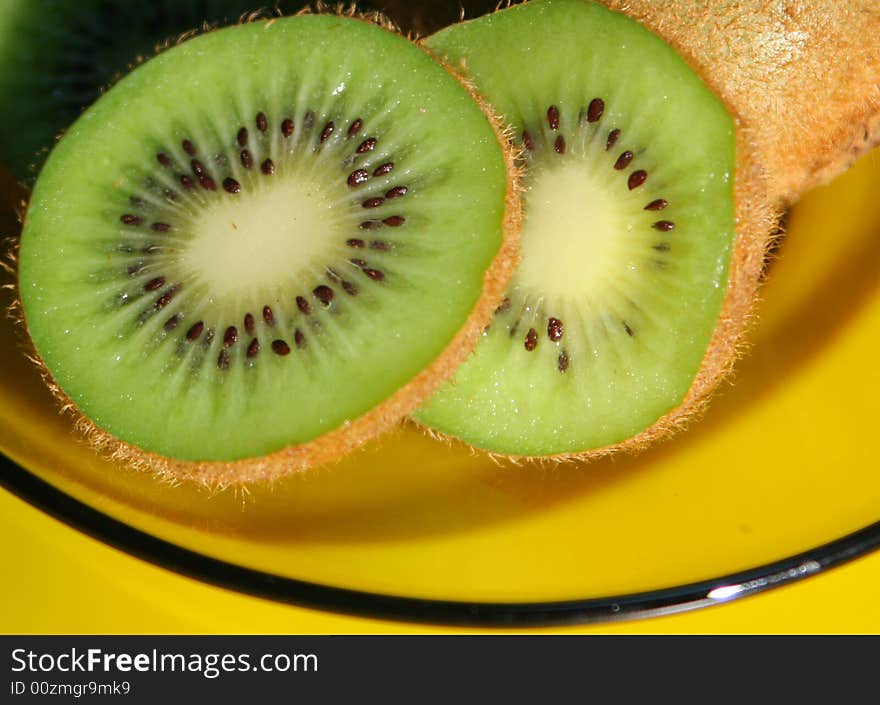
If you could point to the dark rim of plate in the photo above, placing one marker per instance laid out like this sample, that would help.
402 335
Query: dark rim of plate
377 606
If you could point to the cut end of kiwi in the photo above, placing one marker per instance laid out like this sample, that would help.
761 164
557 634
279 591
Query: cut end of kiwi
645 226
265 246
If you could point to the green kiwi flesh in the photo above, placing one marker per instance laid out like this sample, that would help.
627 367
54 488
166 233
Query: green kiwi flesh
628 202
260 235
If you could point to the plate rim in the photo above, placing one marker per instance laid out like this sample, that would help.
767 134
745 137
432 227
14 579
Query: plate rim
399 608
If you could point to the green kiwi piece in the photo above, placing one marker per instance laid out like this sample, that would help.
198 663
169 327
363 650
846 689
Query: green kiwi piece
266 245
56 56
628 173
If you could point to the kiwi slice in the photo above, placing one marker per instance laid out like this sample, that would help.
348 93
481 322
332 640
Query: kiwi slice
630 237
265 246
56 56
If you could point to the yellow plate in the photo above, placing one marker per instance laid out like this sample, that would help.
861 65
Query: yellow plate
781 464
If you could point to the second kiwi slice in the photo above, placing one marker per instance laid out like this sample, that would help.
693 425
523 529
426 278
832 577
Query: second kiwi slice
630 230
265 246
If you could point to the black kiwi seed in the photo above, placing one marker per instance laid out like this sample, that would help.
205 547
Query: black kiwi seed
154 284
612 139
358 177
195 331
563 361
324 294
165 299
595 110
637 178
303 305
279 347
553 117
368 145
623 160
531 341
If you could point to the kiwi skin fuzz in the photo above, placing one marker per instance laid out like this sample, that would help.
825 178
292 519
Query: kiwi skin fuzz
334 445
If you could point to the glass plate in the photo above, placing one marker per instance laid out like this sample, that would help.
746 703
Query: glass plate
777 482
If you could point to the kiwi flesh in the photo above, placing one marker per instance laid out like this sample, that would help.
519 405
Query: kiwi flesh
645 223
265 246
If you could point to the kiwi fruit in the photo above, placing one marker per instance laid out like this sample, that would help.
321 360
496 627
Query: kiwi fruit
265 246
646 220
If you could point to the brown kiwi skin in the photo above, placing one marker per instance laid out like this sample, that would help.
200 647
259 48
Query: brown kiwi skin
336 444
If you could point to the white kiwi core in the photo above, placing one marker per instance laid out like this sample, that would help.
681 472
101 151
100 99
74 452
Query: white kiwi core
272 234
570 240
